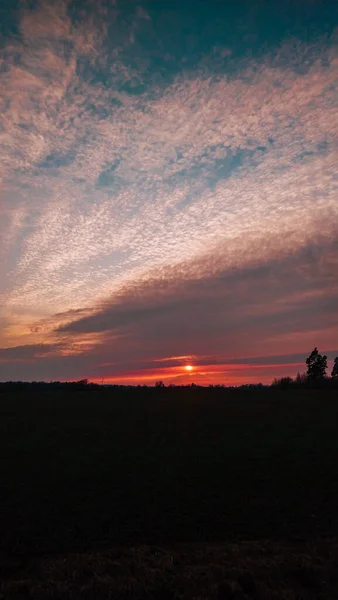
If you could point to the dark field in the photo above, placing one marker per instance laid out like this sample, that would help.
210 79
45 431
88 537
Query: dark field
92 472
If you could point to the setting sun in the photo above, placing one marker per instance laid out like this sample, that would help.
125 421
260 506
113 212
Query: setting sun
188 368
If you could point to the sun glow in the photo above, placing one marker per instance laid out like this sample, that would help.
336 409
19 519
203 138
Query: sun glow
188 368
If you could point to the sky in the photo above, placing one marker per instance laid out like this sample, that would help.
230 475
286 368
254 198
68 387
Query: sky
168 189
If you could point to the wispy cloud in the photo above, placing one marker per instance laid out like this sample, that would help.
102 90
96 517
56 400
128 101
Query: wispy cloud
116 180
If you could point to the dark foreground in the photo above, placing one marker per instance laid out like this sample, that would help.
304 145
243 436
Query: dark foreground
173 492
238 571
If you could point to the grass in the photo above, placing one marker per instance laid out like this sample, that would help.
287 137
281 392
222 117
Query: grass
246 480
238 571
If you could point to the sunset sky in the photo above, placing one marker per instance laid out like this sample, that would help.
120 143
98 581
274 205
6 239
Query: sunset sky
168 189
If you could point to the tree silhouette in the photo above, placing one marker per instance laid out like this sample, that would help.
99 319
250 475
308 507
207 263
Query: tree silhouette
159 384
301 379
316 366
334 373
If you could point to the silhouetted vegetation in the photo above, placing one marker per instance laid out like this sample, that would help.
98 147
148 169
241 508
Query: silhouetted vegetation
334 373
39 386
315 376
159 384
316 366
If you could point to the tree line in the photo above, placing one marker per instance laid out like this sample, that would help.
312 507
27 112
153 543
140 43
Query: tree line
315 375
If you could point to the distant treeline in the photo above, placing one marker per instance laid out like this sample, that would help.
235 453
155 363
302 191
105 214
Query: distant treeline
85 385
82 384
301 381
315 377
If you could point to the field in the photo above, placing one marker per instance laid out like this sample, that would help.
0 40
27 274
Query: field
135 482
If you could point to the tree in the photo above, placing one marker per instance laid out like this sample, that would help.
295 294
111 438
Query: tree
316 366
283 383
159 384
301 379
334 373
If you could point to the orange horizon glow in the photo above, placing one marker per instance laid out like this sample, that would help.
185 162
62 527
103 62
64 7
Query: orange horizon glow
227 374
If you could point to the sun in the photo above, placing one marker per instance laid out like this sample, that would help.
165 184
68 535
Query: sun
188 367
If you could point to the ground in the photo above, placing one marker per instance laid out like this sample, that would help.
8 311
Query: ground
169 494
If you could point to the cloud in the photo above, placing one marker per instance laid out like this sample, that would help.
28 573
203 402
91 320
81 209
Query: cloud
161 177
28 353
294 287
